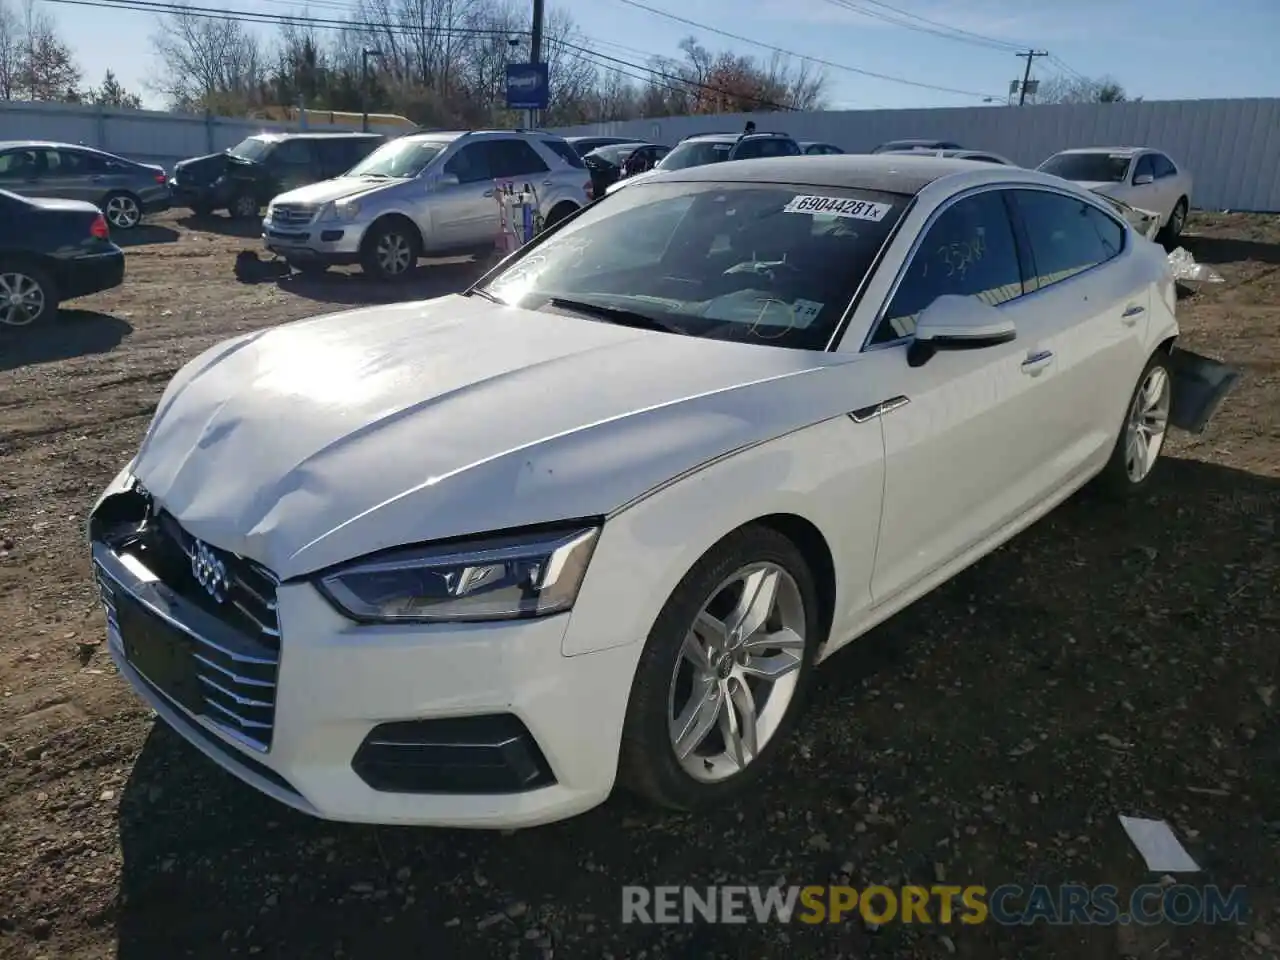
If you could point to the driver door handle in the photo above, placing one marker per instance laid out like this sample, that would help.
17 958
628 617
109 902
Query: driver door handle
863 414
1131 314
1037 362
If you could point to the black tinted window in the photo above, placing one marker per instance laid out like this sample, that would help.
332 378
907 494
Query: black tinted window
514 158
1163 166
969 251
565 152
1067 235
761 263
767 147
291 153
471 163
1095 167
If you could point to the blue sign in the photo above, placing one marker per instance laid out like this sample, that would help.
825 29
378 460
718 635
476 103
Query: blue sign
527 86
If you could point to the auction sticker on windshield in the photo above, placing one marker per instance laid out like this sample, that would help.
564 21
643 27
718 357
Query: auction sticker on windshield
838 207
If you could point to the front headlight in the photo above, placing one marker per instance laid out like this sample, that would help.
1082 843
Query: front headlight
499 578
340 210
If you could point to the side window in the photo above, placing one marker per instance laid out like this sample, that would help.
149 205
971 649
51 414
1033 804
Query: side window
1067 235
70 163
17 165
1164 166
291 155
565 153
1144 165
333 156
968 251
471 164
515 158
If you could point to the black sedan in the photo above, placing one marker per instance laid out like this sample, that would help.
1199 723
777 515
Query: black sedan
50 251
610 163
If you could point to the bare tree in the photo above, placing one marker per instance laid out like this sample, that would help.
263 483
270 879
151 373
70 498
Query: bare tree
10 52
46 67
210 64
1066 89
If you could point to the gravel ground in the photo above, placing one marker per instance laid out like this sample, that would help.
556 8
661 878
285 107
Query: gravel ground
1109 661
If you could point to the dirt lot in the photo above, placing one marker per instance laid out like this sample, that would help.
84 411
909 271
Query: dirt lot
1107 662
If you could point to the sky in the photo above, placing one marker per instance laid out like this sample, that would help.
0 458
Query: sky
1156 49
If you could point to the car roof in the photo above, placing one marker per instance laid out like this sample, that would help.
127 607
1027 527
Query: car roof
887 173
275 136
14 144
1119 151
734 137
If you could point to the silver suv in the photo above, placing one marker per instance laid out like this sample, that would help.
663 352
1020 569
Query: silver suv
427 194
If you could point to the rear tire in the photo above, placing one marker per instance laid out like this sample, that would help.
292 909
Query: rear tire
558 213
122 210
680 748
390 250
28 295
202 210
1142 435
1172 230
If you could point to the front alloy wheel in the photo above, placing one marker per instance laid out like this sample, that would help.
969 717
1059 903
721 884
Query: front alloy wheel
393 253
723 672
737 672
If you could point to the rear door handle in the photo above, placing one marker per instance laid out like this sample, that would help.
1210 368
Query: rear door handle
1036 363
1132 313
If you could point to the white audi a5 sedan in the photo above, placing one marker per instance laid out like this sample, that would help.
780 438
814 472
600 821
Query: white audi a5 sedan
469 561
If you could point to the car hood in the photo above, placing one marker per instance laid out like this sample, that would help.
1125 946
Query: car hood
337 189
1106 187
317 442
206 168
53 203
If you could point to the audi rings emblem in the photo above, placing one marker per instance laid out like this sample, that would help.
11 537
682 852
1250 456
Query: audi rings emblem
209 571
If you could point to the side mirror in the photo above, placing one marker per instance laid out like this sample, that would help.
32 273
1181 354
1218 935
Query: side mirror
954 322
1143 179
443 180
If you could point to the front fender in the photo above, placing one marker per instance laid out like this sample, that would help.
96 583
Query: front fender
830 474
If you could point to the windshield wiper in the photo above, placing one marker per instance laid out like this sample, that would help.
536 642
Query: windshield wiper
486 295
619 315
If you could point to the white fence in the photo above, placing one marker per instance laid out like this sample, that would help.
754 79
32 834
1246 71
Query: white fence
145 135
1231 147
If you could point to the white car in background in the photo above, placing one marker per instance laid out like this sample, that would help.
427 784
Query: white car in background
1143 178
468 561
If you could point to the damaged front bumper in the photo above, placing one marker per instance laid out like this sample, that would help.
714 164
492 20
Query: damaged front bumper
1200 384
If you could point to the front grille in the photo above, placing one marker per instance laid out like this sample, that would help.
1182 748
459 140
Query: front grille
226 673
292 214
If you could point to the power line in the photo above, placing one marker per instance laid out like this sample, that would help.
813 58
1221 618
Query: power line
366 26
800 56
911 21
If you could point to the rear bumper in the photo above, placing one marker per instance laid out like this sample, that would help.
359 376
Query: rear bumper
82 276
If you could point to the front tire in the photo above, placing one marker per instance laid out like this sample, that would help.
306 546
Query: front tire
1146 424
723 673
243 206
28 295
390 250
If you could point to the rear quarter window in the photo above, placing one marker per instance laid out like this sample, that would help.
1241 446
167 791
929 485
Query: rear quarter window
565 152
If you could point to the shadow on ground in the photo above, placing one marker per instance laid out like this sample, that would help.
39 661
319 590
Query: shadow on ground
1229 250
145 234
426 281
75 333
224 225
1100 664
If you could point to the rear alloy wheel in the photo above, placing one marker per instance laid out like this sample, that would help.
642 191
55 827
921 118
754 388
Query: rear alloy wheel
26 296
1177 220
723 672
1145 426
122 211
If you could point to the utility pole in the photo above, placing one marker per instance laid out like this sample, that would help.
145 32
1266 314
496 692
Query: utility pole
1026 74
365 54
535 47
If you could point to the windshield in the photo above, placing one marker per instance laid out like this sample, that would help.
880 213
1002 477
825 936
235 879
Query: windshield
760 263
1088 167
402 158
251 148
695 153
